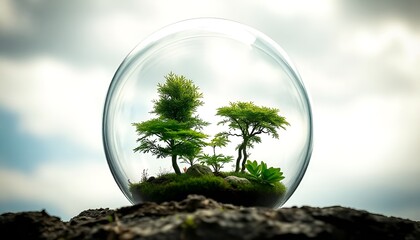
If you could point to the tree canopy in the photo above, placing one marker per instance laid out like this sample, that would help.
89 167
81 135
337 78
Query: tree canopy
248 121
178 99
175 131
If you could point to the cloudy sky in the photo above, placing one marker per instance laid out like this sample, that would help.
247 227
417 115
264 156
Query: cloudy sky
358 60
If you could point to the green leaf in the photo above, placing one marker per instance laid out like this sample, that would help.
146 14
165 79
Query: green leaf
263 167
261 173
271 175
214 161
253 168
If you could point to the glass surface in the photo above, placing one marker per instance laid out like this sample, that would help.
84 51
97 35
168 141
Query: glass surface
229 62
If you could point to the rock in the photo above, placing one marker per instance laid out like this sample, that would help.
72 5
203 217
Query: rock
198 217
151 179
235 181
198 170
90 215
30 225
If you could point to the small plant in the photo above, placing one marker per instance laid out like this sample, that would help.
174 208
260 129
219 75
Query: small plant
190 159
261 173
215 161
144 175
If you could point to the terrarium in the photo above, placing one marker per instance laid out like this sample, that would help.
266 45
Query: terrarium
211 107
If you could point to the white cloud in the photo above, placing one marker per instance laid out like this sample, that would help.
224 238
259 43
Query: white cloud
305 8
369 42
362 152
54 99
126 27
366 99
10 19
365 60
370 129
69 187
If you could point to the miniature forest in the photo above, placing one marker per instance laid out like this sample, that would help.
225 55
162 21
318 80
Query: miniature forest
176 133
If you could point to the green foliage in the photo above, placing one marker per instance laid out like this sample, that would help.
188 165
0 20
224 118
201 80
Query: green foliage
261 173
191 159
219 140
175 131
178 99
247 120
253 168
216 162
166 137
247 115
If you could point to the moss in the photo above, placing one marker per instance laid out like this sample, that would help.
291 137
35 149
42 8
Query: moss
110 218
189 222
174 187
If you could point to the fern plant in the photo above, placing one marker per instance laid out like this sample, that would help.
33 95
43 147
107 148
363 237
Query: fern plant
263 174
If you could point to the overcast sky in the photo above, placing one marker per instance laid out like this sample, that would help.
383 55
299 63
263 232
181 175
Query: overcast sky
359 61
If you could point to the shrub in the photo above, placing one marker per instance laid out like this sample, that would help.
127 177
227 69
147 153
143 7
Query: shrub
261 173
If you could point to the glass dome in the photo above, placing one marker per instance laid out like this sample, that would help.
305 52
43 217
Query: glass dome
229 63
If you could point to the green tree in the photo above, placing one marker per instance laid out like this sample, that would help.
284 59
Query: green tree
175 132
216 161
220 140
178 100
248 121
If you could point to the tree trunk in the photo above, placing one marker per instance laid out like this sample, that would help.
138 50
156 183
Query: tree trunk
174 158
175 165
245 154
245 158
238 160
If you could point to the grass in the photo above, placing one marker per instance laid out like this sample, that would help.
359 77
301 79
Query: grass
172 187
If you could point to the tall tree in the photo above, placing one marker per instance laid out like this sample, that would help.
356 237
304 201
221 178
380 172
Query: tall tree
248 121
175 132
179 99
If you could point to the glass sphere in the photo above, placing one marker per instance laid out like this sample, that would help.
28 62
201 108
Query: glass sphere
229 63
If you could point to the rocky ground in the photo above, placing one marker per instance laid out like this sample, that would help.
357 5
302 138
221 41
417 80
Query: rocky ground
200 218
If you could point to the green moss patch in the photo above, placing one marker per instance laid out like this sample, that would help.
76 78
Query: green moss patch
172 187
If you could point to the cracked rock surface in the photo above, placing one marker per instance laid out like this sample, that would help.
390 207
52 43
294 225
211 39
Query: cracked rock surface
198 217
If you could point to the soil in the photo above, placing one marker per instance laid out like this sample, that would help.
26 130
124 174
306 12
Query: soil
231 196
